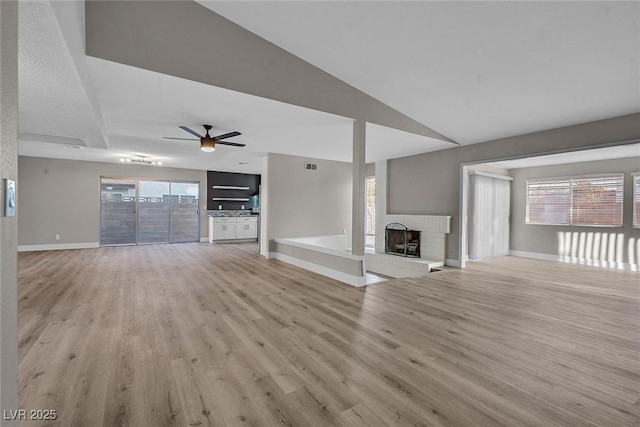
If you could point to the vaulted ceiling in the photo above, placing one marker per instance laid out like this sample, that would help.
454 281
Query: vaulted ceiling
474 71
292 76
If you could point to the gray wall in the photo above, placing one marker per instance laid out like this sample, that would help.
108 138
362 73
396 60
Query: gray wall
429 184
370 170
63 197
8 225
307 203
544 239
345 265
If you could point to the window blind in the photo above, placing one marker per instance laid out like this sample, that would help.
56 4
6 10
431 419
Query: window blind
597 201
592 200
549 202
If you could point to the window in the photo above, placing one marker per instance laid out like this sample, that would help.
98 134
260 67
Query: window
370 219
589 200
636 200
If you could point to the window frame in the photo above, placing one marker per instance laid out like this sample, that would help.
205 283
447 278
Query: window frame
635 181
367 180
572 178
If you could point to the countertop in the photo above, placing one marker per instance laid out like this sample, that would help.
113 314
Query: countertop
229 213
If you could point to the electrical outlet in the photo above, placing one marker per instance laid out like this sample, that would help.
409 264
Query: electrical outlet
57 237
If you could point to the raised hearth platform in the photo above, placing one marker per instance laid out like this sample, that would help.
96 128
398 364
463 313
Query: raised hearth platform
398 266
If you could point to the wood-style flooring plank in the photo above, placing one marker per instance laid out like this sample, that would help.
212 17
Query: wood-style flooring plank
199 334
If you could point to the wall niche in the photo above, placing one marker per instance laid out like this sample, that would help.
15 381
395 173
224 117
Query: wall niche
231 190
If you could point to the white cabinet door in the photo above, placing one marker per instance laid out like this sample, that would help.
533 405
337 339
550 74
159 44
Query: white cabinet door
230 231
252 230
247 230
224 231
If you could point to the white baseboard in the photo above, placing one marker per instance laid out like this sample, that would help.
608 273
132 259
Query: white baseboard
334 274
452 263
575 260
57 247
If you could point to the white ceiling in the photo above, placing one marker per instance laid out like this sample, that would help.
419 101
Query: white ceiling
470 71
473 71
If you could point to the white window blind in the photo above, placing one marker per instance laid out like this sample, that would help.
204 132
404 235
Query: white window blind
636 200
590 200
549 202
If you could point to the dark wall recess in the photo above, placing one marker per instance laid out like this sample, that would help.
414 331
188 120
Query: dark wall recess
228 179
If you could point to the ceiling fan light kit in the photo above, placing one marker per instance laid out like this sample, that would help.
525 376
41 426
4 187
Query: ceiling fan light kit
142 160
207 145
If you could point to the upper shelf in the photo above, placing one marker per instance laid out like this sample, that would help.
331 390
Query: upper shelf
229 187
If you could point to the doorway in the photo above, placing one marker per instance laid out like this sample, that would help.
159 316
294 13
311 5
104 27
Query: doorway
136 212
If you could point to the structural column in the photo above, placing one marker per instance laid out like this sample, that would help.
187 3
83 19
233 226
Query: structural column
264 208
8 224
357 220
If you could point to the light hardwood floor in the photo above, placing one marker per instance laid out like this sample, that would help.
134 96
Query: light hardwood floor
198 334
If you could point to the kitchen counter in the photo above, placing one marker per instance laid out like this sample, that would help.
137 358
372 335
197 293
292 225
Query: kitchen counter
231 213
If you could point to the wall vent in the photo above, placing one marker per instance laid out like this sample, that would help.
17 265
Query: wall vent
310 166
52 139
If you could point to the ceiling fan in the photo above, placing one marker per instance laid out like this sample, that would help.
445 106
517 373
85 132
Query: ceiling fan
208 142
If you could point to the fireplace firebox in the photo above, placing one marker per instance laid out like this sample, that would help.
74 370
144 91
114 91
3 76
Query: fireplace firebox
400 240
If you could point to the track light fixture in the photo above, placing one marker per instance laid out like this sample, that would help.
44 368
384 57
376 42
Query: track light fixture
141 159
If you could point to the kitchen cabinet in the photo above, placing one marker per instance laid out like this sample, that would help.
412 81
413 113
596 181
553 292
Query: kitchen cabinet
224 231
247 228
229 228
222 228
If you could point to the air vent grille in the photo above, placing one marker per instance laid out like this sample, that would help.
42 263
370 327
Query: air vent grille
52 139
310 166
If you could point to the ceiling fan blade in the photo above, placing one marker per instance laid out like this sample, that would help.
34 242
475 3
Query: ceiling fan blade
180 139
191 131
226 135
232 144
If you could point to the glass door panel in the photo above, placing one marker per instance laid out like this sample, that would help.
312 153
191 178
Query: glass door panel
154 212
185 212
117 211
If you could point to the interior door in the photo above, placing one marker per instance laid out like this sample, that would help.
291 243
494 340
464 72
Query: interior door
117 211
185 212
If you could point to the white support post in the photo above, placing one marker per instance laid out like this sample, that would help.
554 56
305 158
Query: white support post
358 210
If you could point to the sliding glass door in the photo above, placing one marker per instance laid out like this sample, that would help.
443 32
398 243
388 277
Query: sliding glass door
154 212
117 212
489 207
144 211
185 212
